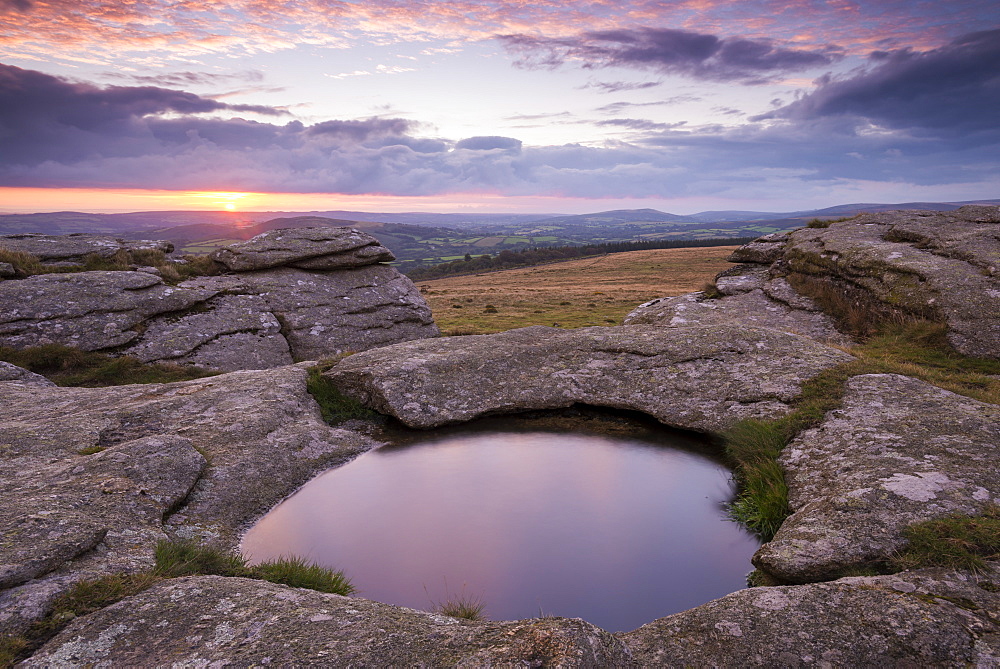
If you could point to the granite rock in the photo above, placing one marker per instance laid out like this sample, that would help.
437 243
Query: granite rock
899 451
316 248
696 378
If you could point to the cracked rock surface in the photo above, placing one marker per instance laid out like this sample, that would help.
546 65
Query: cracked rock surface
92 474
899 451
342 301
318 248
696 378
942 264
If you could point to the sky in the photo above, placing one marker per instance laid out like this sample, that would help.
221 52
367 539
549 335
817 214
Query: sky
500 106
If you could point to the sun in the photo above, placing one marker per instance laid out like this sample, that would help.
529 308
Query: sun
221 200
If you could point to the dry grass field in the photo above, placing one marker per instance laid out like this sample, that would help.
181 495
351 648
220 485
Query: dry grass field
577 293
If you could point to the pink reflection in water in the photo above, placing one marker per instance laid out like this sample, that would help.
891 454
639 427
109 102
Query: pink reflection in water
617 532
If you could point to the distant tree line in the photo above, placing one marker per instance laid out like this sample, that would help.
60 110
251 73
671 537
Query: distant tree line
508 259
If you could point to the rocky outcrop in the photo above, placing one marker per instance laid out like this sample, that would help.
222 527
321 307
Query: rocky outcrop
343 301
943 265
926 264
899 451
319 248
207 620
73 249
696 378
925 618
97 475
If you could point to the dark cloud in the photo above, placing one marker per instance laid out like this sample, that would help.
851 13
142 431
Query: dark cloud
639 124
47 118
619 86
360 130
188 78
19 5
954 89
699 55
489 144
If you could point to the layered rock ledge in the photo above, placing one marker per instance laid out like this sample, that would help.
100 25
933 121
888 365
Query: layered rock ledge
300 294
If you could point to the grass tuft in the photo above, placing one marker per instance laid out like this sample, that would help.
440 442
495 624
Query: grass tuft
710 291
956 541
187 557
460 605
68 366
298 573
334 405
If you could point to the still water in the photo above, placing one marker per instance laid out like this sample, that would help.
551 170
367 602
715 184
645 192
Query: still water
616 529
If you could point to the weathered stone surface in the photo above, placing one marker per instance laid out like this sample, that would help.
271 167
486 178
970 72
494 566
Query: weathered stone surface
6 270
9 372
941 264
25 604
923 618
255 320
198 621
327 313
696 378
321 248
261 431
74 247
752 309
763 250
89 310
228 332
899 451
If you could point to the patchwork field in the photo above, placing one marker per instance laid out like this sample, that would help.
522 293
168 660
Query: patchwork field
577 293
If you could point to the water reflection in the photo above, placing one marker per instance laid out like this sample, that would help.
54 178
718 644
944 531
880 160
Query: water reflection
613 530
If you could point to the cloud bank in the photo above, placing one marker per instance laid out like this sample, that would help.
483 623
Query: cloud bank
915 117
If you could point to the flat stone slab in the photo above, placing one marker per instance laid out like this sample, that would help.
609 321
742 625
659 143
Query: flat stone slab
317 248
696 378
74 247
753 308
925 618
898 452
211 620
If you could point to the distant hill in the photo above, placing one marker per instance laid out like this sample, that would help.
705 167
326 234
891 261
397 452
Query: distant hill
419 238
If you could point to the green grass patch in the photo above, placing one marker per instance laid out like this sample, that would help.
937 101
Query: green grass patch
917 348
955 541
334 405
68 366
299 573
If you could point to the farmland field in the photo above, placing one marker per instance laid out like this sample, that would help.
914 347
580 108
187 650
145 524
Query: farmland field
576 293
